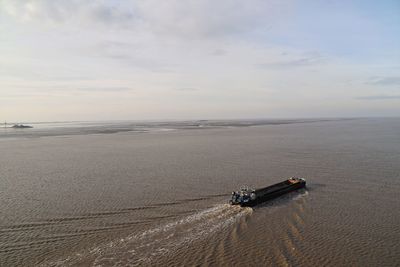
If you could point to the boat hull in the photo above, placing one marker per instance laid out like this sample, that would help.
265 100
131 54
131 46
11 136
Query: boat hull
265 196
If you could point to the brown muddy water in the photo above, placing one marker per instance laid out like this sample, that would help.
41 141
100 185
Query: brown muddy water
158 198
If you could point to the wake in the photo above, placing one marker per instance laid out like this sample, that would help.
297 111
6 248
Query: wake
143 248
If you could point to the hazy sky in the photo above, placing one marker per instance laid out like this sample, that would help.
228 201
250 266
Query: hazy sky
198 59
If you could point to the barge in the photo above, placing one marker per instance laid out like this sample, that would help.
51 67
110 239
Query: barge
247 197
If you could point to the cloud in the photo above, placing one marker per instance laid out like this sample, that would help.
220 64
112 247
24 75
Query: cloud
112 14
27 95
59 11
394 80
218 52
307 60
203 19
129 54
187 89
378 97
104 89
194 19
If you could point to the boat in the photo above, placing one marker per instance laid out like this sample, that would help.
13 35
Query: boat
21 126
247 197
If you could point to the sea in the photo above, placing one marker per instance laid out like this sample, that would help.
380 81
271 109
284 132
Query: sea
129 193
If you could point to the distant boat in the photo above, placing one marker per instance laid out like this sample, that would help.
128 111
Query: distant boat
21 126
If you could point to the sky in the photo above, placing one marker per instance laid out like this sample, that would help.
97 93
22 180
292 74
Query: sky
198 59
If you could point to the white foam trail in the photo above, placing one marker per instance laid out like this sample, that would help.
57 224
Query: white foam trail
143 248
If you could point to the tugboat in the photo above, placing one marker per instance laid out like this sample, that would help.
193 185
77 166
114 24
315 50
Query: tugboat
247 197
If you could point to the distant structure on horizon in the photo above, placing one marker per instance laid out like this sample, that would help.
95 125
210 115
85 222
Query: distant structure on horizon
21 126
17 126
